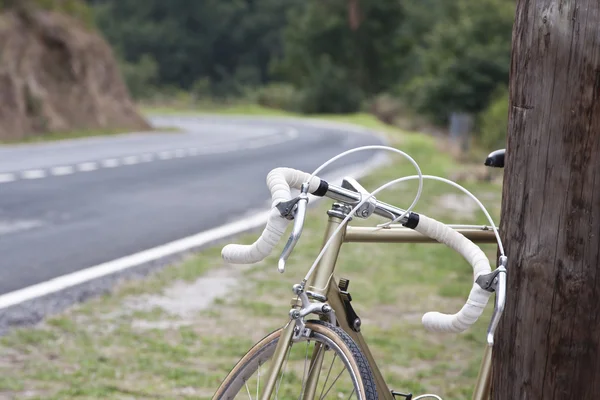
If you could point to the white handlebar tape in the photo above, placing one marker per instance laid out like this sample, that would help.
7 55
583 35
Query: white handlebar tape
478 298
279 181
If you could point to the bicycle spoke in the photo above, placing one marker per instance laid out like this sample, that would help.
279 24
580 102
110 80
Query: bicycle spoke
304 374
248 390
315 357
328 373
258 382
338 377
314 368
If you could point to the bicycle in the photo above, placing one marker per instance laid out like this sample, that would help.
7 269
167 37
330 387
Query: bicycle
322 315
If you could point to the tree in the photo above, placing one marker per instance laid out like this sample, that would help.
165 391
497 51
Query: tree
462 58
359 38
224 41
548 346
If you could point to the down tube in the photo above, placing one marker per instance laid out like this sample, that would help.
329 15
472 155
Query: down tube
483 385
322 283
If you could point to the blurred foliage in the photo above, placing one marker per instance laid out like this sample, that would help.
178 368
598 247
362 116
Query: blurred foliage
463 58
75 8
436 56
228 42
282 96
320 42
433 56
494 121
141 77
329 89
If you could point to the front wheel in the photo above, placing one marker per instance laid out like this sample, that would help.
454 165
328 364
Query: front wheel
343 370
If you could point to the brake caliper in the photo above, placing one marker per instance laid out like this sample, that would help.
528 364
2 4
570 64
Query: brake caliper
351 316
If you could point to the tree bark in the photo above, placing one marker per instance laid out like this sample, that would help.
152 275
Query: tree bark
548 343
354 16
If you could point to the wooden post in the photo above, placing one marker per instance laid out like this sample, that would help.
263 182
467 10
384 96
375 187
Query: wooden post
548 343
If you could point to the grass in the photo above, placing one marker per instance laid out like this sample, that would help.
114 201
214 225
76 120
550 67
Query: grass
245 109
124 346
237 109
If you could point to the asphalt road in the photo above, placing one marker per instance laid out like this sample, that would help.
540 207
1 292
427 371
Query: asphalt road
70 205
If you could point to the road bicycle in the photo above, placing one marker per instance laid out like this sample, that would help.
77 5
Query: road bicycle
323 327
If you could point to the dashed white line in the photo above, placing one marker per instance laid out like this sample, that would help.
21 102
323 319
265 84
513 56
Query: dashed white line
62 170
147 157
180 153
288 134
87 166
130 160
195 241
8 226
33 174
165 155
110 163
5 178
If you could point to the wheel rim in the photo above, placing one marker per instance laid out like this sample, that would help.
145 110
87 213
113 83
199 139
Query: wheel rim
337 378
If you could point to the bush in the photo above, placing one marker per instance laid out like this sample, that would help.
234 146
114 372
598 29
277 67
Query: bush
141 77
386 108
462 59
201 88
278 95
328 90
493 121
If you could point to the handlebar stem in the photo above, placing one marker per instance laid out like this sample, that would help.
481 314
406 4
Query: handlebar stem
353 198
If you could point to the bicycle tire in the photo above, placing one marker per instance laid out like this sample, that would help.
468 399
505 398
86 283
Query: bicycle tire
354 359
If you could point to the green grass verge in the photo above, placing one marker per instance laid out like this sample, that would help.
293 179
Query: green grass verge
210 108
363 119
132 344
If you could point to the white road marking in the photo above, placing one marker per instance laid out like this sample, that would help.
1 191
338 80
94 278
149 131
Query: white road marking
5 178
62 170
87 166
165 155
147 157
180 153
130 160
111 267
288 134
178 246
7 227
33 174
110 163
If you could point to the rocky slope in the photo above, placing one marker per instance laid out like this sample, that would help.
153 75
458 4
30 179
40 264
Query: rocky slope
58 75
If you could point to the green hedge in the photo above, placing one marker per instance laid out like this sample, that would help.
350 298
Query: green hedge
493 121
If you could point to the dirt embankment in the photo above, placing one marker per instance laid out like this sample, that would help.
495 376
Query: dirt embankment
57 75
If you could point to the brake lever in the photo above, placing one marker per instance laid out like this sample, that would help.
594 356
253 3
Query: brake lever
300 213
499 286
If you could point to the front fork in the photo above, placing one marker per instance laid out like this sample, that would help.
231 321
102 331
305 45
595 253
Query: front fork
322 289
283 345
294 330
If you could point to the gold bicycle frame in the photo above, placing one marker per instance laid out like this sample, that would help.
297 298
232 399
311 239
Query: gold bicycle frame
322 284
